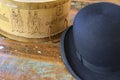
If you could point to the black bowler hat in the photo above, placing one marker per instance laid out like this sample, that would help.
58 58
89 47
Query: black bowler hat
90 48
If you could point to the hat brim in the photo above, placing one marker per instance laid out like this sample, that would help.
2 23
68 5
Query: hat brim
74 65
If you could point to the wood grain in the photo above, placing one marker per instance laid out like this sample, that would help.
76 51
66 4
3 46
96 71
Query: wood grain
31 61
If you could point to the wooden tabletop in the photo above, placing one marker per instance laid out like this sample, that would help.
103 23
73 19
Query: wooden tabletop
31 61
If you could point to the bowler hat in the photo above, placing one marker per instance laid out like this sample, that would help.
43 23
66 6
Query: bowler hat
90 48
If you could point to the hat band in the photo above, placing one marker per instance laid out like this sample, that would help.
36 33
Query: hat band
95 68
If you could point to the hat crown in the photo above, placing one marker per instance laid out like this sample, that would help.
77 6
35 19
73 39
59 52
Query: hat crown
97 34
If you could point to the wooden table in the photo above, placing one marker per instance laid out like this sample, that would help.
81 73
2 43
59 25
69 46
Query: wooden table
31 61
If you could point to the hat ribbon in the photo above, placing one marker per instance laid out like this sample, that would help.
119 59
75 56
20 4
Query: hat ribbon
96 68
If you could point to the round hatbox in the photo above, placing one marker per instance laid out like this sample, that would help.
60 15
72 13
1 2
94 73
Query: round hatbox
33 20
